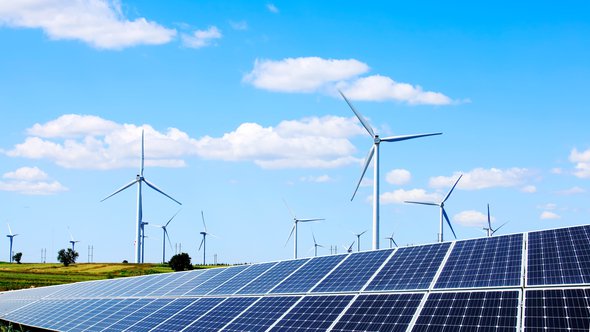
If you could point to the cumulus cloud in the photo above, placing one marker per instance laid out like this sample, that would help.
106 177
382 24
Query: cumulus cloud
472 218
272 8
549 215
481 178
99 23
582 161
30 181
572 191
316 179
201 38
90 142
400 196
398 176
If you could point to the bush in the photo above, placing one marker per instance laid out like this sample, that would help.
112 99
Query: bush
67 257
181 262
17 257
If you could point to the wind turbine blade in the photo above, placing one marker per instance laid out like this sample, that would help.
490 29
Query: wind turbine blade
422 203
350 247
449 222
489 221
9 230
168 237
289 209
203 240
158 190
307 220
406 137
392 240
290 234
453 188
319 245
142 155
367 162
172 218
363 232
364 122
158 226
203 218
71 236
121 189
314 241
495 230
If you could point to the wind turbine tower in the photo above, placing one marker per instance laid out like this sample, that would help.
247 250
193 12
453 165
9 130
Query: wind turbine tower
204 241
358 240
374 151
391 241
315 245
294 228
164 236
139 180
11 237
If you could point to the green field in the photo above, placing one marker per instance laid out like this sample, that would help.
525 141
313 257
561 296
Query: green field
18 276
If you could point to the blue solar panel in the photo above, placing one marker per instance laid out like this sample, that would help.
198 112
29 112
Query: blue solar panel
410 268
101 313
272 277
207 286
180 278
262 314
379 312
160 315
87 311
221 314
560 256
9 305
487 262
124 308
313 313
199 278
139 313
557 310
239 281
469 311
189 314
70 314
354 272
33 313
307 276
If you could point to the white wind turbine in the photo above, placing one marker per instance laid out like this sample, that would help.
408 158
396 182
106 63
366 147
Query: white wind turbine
315 245
391 241
294 228
139 179
11 237
358 239
204 233
72 241
489 229
443 213
375 151
165 235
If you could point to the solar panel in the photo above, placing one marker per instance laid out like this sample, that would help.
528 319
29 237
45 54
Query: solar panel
189 314
310 274
239 281
101 313
89 309
221 314
488 262
379 312
557 309
354 272
469 311
272 277
117 312
180 278
262 314
72 311
220 278
560 256
410 268
33 313
160 315
313 313
199 277
139 313
8 305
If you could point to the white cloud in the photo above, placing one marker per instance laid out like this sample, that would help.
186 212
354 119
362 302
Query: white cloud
316 179
481 178
400 196
201 38
302 74
30 181
549 215
239 25
99 23
530 189
398 176
472 218
381 88
572 191
582 161
272 8
89 142
548 206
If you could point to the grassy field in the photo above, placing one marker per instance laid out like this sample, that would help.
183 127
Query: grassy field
18 276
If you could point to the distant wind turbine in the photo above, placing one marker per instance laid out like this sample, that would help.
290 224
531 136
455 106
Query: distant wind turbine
11 237
138 225
443 213
294 228
358 240
375 151
72 241
315 245
165 235
204 233
489 229
391 241
349 248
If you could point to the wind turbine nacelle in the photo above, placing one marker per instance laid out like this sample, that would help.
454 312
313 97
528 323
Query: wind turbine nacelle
203 233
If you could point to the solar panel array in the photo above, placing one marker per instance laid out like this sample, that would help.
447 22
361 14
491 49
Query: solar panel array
530 281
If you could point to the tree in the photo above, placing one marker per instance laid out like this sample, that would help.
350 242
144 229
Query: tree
17 257
181 262
67 257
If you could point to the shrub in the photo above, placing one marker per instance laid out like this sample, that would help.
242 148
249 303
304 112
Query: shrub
181 262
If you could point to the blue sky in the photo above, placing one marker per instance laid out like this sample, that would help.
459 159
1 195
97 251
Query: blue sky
240 109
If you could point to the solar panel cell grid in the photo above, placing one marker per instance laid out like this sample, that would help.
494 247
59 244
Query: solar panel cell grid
197 279
306 277
180 278
262 314
557 310
272 277
239 281
220 278
126 307
138 313
221 314
186 316
313 313
410 268
158 316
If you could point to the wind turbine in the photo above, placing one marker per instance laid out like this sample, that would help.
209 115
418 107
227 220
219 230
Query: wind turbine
204 233
489 229
11 237
143 236
164 236
375 151
315 245
349 248
391 241
72 241
139 179
358 240
443 213
294 229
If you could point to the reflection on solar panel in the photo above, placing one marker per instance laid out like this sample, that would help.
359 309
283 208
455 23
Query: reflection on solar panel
494 310
138 314
560 256
272 277
313 313
262 314
224 276
239 281
379 312
558 309
199 278
309 275
354 272
160 315
187 315
410 268
221 314
487 262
